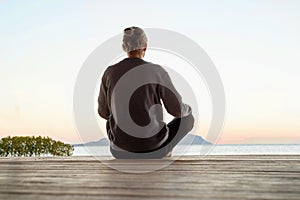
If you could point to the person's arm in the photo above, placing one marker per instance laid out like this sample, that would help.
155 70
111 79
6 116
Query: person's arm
102 100
172 99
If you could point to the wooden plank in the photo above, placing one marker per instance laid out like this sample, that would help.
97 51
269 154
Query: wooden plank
188 177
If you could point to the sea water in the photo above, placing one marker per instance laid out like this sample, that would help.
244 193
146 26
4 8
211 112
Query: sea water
225 149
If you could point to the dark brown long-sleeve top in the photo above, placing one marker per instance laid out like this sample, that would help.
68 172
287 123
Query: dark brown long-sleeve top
140 102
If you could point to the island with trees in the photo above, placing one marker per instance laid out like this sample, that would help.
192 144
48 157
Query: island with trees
28 146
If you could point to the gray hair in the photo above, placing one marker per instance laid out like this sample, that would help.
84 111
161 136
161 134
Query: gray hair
134 38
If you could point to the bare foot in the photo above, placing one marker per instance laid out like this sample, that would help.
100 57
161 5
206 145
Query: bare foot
169 154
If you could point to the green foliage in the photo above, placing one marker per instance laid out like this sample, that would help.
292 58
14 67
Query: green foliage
33 146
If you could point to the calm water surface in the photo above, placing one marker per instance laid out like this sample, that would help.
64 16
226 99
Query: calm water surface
268 149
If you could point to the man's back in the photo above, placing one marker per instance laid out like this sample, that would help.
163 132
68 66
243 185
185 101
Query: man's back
140 103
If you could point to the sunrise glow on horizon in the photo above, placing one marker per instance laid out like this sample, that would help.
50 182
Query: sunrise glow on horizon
253 45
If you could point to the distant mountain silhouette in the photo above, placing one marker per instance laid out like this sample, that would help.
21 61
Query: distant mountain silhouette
101 142
189 139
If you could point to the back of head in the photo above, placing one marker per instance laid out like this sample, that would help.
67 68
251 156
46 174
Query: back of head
134 39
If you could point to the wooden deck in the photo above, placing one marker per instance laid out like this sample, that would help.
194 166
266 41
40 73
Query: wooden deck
215 177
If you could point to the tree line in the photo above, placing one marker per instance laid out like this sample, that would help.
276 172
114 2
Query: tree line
27 146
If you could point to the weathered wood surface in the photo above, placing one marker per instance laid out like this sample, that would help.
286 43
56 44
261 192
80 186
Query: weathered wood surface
190 177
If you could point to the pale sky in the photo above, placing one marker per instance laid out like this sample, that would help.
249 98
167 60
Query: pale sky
255 46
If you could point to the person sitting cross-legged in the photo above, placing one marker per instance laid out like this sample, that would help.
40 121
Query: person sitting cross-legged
157 139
